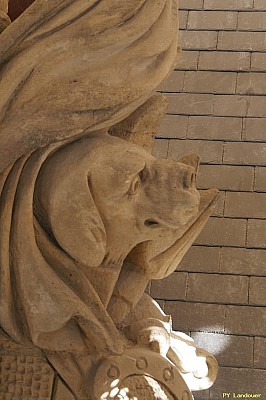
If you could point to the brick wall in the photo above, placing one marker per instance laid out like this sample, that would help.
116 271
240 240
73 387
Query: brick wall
218 110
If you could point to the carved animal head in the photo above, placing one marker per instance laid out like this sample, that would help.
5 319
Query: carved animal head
101 196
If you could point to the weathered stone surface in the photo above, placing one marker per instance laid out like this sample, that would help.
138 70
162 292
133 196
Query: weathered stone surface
87 219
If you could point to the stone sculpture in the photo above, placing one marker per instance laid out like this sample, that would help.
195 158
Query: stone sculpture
87 215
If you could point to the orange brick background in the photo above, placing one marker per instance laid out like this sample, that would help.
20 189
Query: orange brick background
218 110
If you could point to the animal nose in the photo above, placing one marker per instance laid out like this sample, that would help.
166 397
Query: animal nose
189 179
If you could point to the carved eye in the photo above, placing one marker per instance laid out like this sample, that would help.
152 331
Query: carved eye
143 174
137 181
135 185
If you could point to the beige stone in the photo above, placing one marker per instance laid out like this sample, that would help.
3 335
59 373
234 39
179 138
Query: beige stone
88 216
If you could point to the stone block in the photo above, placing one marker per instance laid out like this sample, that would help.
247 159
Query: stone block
226 177
183 18
259 5
257 291
173 126
224 61
243 261
241 41
252 21
210 82
245 320
239 381
212 20
254 129
174 82
244 153
258 61
214 288
201 259
223 232
190 104
230 106
196 316
230 350
171 288
215 128
260 179
209 152
188 60
228 4
190 4
259 352
198 40
251 83
245 205
256 233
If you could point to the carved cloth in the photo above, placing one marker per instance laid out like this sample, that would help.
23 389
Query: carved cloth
38 304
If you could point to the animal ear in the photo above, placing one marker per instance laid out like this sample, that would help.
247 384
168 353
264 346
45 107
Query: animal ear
191 159
66 209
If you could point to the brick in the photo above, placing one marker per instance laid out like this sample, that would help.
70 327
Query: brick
223 232
242 41
258 62
171 288
226 177
219 208
228 4
238 381
251 83
230 350
214 288
188 60
209 152
190 104
230 106
256 233
183 17
257 291
202 395
198 40
173 126
259 352
215 128
254 129
243 261
260 179
161 304
212 20
256 107
174 82
252 21
245 153
190 4
245 205
245 320
196 316
201 259
224 61
259 5
210 82
160 148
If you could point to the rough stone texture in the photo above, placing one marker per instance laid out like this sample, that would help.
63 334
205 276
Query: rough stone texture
232 245
215 128
231 350
88 217
238 205
230 289
224 61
